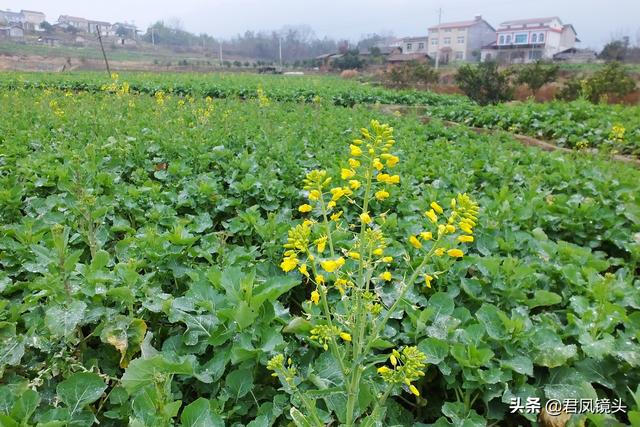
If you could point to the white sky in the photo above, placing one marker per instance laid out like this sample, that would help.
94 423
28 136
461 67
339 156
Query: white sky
596 21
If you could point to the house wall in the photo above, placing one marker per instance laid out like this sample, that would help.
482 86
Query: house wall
448 38
480 34
415 46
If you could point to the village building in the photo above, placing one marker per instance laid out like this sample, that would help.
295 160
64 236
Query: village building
460 41
528 40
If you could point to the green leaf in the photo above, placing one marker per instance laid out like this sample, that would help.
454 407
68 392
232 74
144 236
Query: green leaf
520 364
62 320
11 346
80 390
493 321
299 419
199 414
549 349
25 406
142 372
436 350
239 382
542 298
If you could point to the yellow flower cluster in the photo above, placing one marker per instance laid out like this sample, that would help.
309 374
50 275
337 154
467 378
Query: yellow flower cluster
263 100
160 97
406 367
323 334
617 133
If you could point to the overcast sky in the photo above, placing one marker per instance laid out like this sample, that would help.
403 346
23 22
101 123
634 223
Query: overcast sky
596 21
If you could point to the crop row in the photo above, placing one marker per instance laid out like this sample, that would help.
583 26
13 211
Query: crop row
141 238
579 124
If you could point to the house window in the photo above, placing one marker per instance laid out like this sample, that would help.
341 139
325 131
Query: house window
508 39
420 46
460 39
521 38
434 42
447 40
459 56
541 38
409 46
447 30
501 40
534 38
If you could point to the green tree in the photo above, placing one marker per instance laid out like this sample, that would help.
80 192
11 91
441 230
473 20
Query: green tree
484 83
537 75
349 61
614 51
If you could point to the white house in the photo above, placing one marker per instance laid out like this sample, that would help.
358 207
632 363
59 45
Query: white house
460 41
527 40
32 19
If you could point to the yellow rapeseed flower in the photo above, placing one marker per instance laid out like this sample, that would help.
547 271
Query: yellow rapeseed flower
345 336
354 184
414 390
378 251
347 173
355 150
354 163
431 215
450 228
439 252
289 263
303 270
381 195
319 279
314 195
387 259
392 161
383 369
305 208
455 253
386 276
321 243
336 216
427 280
354 255
415 242
377 164
393 359
426 235
465 239
365 218
315 297
332 265
436 207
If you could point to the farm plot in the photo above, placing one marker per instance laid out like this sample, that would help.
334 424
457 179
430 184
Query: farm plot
141 254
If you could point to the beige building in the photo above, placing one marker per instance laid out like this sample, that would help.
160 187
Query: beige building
460 41
32 19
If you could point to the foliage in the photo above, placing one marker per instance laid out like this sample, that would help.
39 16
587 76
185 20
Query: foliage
610 80
413 72
484 83
141 242
537 75
350 60
351 317
614 51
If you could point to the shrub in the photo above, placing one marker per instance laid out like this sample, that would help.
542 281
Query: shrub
537 75
413 72
484 83
611 80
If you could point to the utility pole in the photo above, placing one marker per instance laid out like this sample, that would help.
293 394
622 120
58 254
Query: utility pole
438 45
153 36
104 55
280 49
220 52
